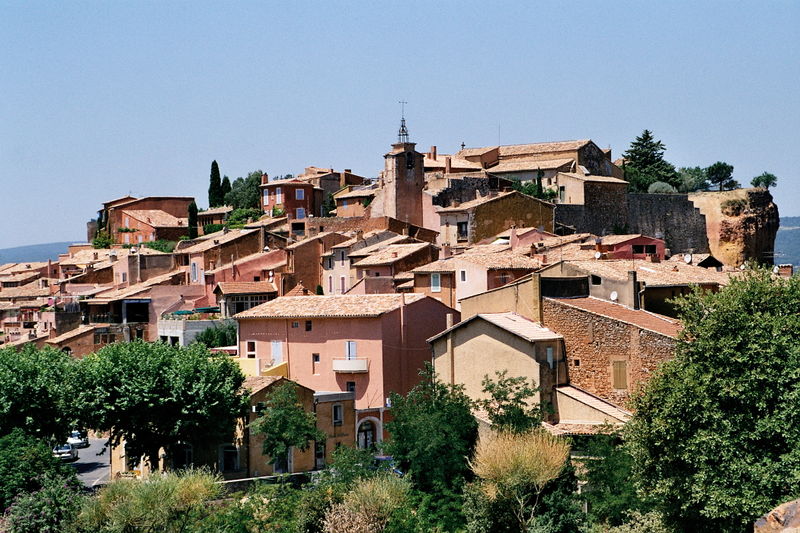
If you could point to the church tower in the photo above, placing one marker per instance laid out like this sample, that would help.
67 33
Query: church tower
403 179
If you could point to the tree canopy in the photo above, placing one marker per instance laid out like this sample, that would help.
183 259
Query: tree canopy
215 193
153 395
692 179
225 187
721 175
715 434
509 403
284 423
245 192
765 180
192 220
645 164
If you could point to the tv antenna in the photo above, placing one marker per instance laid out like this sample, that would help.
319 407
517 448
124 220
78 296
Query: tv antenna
402 135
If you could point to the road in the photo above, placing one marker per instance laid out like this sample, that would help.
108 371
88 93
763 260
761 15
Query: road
93 469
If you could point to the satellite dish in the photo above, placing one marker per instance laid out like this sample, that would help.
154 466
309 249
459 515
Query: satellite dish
614 296
776 269
598 255
687 259
742 267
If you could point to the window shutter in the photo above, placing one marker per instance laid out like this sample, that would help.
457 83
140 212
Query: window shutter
620 377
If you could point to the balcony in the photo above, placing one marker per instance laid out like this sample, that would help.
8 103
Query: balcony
358 365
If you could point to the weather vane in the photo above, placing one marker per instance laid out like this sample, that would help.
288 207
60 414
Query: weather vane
402 135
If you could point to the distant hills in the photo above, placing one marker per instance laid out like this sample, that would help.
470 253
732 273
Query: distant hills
34 252
787 242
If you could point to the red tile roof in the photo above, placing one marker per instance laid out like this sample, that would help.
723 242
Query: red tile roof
640 318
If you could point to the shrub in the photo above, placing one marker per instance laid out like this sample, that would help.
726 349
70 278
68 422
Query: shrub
102 240
161 245
660 187
239 217
369 506
223 334
212 228
51 509
733 207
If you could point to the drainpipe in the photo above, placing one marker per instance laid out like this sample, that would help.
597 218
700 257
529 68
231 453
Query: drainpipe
450 351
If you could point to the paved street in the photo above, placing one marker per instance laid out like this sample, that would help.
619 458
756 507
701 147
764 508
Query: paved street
93 469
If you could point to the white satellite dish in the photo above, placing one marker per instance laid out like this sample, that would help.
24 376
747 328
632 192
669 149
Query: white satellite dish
614 296
742 267
776 269
598 255
687 259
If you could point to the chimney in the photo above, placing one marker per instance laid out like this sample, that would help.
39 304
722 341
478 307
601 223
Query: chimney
394 255
360 235
305 291
446 251
456 203
447 165
513 240
635 286
264 178
653 258
433 153
94 256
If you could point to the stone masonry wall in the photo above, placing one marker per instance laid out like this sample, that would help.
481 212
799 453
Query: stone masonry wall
595 341
672 215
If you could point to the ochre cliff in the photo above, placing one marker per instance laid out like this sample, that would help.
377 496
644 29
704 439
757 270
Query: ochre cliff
741 224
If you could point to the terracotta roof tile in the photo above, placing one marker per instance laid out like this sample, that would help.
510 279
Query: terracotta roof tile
350 306
663 274
245 287
593 178
391 254
221 210
640 318
529 166
216 239
156 218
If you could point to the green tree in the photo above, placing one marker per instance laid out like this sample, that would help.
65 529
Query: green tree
284 423
328 205
215 196
161 245
102 240
240 216
34 395
692 179
153 395
645 164
51 509
765 180
721 174
246 192
535 190
433 433
660 187
192 220
223 334
509 403
25 461
715 432
225 187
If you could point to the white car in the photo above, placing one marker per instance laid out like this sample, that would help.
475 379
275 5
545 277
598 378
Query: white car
78 439
66 452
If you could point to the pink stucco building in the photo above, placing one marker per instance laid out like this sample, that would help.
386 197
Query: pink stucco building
372 345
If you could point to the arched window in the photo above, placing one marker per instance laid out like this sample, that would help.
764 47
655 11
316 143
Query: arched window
366 434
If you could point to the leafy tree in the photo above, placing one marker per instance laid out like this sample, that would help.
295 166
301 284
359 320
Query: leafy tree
645 164
715 432
192 220
212 228
153 395
25 461
102 240
51 509
172 503
223 334
509 403
239 217
33 392
245 192
660 187
433 433
284 423
215 196
535 190
161 245
319 291
225 187
328 205
765 180
692 179
721 174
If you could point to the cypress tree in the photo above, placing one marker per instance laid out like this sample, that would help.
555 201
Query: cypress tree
214 187
192 220
226 188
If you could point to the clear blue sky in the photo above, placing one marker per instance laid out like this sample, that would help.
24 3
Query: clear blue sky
102 99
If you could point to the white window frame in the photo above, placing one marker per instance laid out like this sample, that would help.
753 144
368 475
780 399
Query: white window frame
250 354
299 194
350 350
278 195
266 196
300 213
194 271
436 282
127 238
276 350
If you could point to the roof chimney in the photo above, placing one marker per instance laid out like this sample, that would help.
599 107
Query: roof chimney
264 178
433 153
394 254
447 251
447 165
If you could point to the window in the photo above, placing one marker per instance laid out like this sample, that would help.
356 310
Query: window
330 284
596 280
124 277
338 414
436 282
350 349
462 231
549 351
463 274
308 325
278 195
127 238
295 324
194 271
351 386
299 213
620 374
139 238
299 194
277 352
127 222
251 349
343 284
315 357
266 197
576 362
229 458
562 193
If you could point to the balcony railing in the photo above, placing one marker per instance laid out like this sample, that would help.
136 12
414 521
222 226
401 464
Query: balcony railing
351 366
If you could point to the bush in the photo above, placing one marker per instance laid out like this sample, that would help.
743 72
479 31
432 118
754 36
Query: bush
25 462
161 245
102 240
661 187
51 509
733 207
239 217
223 334
370 506
212 228
267 507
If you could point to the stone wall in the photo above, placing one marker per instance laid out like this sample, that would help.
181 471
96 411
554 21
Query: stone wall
671 217
593 342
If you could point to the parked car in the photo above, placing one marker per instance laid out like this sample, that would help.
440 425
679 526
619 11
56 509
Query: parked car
385 463
79 439
66 452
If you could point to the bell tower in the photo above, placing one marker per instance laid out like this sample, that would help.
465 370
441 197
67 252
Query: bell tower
404 178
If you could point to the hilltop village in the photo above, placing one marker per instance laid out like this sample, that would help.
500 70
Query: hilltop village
348 285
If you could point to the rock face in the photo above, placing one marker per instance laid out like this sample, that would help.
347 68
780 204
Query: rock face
740 224
784 518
